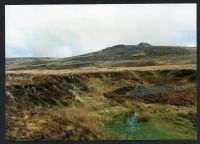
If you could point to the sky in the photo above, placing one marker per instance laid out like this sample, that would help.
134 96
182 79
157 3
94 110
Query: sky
69 30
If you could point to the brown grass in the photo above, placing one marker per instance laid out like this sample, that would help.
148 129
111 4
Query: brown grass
55 124
78 116
188 97
81 120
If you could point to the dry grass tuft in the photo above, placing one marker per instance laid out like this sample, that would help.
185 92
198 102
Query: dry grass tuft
145 117
79 116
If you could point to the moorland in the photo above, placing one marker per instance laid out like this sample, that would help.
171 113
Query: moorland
123 92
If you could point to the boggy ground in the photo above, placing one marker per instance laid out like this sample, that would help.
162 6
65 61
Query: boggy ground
97 105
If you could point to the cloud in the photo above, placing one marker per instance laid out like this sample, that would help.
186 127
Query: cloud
68 30
62 51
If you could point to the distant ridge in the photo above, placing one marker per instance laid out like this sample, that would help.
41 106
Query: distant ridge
121 55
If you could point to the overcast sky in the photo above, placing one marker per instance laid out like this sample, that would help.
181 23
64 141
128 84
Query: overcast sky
68 30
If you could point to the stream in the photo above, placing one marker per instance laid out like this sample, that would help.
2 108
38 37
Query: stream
132 123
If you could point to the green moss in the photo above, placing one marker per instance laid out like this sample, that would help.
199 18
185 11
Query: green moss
153 129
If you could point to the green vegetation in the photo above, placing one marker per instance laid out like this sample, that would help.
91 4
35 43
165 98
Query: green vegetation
151 126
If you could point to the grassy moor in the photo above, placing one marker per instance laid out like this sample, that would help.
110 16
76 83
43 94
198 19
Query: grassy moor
124 92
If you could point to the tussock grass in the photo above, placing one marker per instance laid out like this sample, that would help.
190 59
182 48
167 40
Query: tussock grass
145 117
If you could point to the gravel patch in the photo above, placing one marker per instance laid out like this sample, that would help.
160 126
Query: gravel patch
140 90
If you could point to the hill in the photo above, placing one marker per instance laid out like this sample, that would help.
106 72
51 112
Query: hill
139 55
124 92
